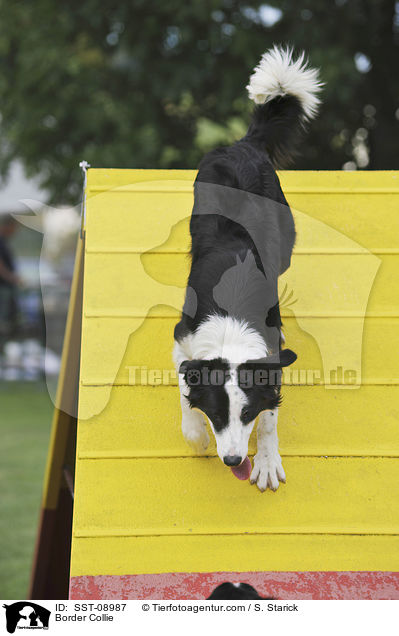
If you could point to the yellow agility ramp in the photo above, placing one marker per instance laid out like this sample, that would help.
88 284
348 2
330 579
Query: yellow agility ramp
151 520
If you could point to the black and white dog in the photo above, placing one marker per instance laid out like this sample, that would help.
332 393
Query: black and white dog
228 343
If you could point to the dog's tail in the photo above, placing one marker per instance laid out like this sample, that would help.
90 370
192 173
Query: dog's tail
285 91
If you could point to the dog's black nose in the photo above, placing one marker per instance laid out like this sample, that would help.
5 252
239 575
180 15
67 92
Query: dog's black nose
232 460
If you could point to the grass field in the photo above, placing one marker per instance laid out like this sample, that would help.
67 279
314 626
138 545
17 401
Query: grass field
25 418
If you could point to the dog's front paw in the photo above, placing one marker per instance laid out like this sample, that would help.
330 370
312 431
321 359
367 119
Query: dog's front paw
196 436
268 471
199 442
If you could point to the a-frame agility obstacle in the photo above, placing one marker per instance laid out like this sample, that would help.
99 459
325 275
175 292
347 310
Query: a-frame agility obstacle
150 519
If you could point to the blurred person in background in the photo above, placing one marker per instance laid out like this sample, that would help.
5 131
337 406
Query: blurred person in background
9 280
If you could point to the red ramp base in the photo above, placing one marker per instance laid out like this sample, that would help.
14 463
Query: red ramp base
281 585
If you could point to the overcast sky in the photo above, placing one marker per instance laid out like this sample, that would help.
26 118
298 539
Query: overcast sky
18 187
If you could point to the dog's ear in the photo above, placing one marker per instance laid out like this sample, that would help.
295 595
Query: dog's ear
284 358
191 370
198 373
187 365
287 357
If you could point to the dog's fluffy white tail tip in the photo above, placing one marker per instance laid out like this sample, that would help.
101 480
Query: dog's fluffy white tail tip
278 74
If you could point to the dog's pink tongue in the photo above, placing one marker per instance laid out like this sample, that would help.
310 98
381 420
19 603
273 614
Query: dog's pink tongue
242 471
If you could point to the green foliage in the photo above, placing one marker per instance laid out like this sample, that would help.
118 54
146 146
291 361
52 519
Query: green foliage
144 83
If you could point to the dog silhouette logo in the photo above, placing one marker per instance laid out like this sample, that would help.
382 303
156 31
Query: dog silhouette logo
26 615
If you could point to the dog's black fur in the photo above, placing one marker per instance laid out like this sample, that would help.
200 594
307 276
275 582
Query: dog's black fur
242 237
247 165
230 592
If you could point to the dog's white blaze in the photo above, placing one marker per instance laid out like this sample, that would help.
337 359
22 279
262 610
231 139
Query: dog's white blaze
233 440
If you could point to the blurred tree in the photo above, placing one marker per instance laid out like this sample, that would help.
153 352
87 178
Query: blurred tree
141 83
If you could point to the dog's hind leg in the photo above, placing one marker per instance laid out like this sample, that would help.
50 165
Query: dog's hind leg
268 469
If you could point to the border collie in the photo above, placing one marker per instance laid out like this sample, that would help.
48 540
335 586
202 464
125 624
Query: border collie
228 344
